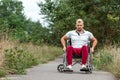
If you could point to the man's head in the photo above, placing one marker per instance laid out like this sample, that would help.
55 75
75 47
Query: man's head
79 21
79 24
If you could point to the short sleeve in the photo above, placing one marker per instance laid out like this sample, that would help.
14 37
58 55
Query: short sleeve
90 35
68 34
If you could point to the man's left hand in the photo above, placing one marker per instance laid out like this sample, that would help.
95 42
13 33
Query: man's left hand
92 50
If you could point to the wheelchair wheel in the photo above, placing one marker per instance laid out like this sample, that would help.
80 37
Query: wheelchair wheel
60 68
89 69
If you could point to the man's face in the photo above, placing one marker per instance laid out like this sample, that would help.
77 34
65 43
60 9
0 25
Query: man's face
79 26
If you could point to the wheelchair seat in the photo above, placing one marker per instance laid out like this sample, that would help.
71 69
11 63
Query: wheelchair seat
74 56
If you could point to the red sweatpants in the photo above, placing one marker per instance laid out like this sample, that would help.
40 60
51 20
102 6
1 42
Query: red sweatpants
78 51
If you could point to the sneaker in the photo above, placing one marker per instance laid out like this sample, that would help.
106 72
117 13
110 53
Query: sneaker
69 67
83 66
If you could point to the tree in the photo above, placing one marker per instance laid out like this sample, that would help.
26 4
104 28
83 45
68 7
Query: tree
36 33
100 17
14 23
11 16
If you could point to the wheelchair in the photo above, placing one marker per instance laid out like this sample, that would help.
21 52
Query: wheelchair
76 60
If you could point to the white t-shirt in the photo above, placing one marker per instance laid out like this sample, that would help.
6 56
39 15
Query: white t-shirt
79 40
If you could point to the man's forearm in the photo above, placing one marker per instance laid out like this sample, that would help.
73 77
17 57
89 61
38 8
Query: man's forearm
94 44
63 42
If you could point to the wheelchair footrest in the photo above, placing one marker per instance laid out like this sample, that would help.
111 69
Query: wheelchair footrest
68 70
84 69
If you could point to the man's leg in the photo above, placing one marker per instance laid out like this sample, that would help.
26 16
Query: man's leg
84 50
69 52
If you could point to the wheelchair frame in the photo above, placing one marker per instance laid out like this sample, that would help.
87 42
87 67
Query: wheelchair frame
75 60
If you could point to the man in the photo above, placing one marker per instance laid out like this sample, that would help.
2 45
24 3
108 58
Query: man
79 40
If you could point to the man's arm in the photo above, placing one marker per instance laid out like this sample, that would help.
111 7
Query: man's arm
94 43
63 42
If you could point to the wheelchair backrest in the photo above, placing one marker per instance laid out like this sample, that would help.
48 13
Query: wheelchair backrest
69 42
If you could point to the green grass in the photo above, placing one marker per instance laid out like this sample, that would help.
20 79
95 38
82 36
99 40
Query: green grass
108 59
2 73
17 60
17 57
43 53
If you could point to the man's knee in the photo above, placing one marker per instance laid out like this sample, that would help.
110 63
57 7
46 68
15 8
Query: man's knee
85 49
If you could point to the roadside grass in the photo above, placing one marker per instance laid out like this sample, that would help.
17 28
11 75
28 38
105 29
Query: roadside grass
16 57
108 59
43 53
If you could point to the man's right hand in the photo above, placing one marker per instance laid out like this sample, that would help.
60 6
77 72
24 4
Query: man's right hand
63 41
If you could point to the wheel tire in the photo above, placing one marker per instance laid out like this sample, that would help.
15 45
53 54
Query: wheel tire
90 69
60 68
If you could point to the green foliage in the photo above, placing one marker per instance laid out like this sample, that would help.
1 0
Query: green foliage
107 58
101 17
11 17
11 12
17 60
36 33
103 60
49 53
2 73
14 24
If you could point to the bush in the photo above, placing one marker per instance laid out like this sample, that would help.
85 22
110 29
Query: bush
2 73
16 60
103 59
108 59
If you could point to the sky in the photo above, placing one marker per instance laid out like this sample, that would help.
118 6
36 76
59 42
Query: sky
32 10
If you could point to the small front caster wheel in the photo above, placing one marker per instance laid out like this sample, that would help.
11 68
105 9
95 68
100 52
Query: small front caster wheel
60 68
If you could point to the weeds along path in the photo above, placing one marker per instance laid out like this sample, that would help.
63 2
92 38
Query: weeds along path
49 71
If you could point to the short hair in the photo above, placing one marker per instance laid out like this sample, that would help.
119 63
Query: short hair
79 21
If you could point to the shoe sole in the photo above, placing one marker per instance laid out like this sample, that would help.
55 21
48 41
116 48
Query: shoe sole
84 69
